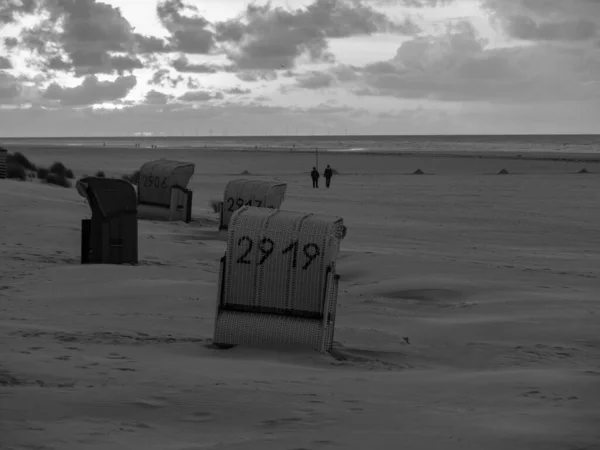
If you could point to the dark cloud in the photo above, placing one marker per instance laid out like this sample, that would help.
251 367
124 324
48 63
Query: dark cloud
157 98
151 44
272 38
237 91
526 28
315 80
11 42
163 77
91 91
87 37
548 20
5 63
460 67
11 10
200 96
183 64
188 34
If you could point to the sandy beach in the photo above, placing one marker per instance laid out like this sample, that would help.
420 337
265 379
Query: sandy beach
468 317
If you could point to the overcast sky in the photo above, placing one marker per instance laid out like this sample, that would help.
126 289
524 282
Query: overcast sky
118 67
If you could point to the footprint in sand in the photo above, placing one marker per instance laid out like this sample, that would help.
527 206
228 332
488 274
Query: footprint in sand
200 416
282 421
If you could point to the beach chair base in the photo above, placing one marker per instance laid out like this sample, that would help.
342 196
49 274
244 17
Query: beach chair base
234 327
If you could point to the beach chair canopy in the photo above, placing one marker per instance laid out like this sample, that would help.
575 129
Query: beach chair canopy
157 178
108 196
260 193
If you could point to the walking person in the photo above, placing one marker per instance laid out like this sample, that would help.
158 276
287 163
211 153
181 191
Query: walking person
315 177
328 173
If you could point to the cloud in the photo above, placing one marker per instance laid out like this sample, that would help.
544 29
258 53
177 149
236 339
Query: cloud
459 66
526 28
157 98
273 38
87 37
11 42
188 34
5 63
200 96
11 10
413 3
163 77
91 91
237 91
183 64
315 80
548 20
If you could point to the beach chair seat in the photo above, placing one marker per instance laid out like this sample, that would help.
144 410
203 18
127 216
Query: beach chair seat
111 235
162 191
243 192
278 281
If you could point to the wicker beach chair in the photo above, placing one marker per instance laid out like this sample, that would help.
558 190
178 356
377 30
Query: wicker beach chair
162 190
111 235
259 193
3 162
278 282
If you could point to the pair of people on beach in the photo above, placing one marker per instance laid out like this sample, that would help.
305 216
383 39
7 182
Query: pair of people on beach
327 173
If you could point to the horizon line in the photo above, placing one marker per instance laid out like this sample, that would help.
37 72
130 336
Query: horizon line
338 136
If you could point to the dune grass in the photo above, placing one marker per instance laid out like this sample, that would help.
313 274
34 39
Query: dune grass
21 168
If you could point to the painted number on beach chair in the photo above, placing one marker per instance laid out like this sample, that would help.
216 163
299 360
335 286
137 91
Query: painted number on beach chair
266 248
156 182
240 202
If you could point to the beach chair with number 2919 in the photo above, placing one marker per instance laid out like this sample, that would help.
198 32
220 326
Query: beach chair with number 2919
278 283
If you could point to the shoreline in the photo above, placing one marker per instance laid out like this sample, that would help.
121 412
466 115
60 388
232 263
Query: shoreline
503 155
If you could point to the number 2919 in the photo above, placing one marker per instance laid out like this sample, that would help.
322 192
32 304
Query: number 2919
266 247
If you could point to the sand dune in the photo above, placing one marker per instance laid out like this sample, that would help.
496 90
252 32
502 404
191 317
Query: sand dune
468 314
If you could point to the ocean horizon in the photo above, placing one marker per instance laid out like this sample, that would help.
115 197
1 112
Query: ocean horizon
524 143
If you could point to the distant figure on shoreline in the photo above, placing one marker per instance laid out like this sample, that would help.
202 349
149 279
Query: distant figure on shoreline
315 177
328 173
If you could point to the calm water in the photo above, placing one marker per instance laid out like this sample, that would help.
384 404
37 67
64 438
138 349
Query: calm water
512 143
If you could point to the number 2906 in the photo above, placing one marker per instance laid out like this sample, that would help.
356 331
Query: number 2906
266 247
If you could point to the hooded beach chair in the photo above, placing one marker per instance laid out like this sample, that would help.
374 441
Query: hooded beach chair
3 162
162 190
111 235
277 281
259 193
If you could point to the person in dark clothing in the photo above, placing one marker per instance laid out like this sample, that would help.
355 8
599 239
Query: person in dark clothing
328 173
315 177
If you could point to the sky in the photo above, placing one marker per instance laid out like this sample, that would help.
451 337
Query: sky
298 67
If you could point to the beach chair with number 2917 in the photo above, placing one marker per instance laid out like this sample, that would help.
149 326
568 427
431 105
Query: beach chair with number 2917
278 283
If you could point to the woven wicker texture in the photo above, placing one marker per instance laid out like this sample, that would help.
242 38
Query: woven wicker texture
3 168
260 193
279 276
158 177
3 157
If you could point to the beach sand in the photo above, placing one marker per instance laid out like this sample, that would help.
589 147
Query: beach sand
493 279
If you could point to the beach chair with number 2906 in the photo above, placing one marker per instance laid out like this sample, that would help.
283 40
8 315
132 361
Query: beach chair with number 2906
278 283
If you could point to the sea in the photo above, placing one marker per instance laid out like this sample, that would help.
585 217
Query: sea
493 144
